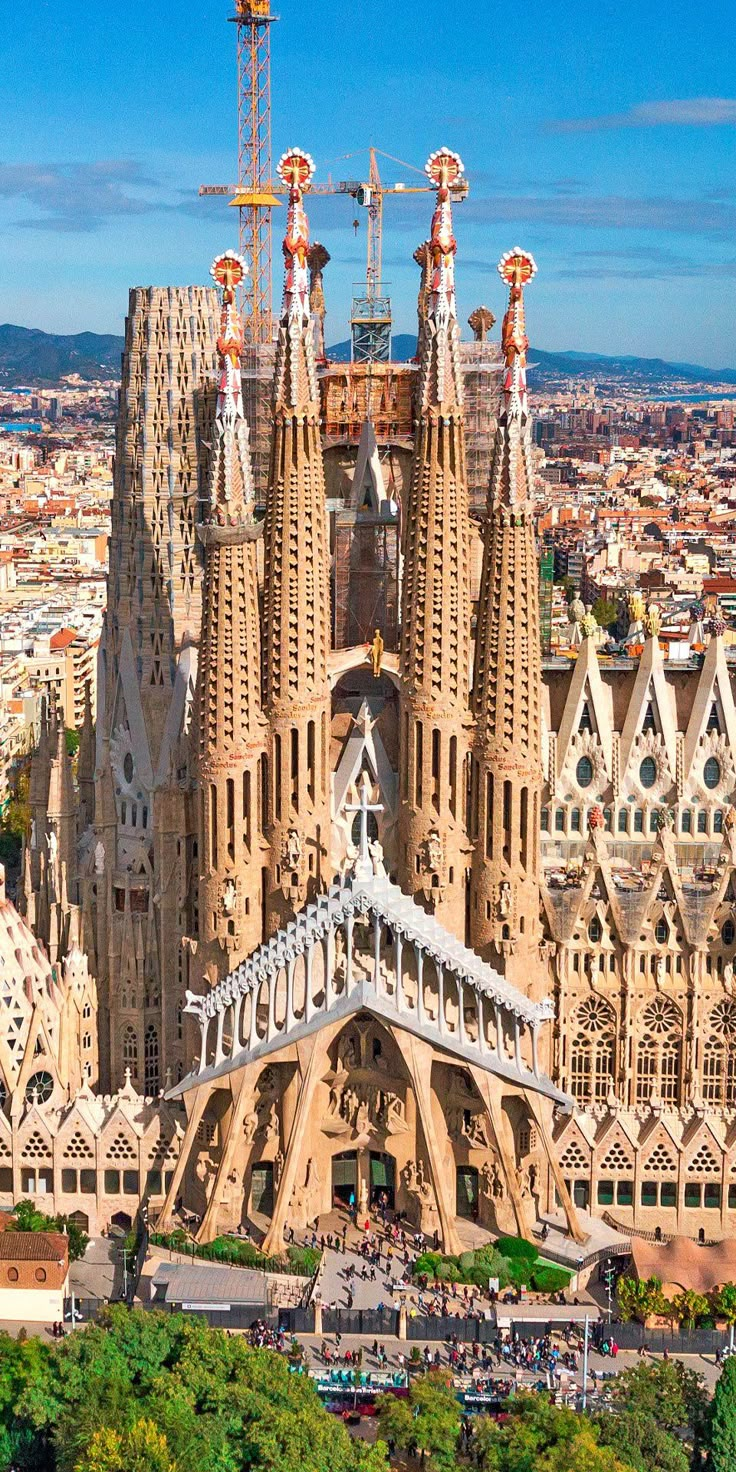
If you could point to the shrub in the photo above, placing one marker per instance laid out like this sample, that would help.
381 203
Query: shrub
304 1260
516 1247
466 1261
549 1280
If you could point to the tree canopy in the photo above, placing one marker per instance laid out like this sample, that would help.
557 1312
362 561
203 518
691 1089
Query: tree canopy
163 1391
540 1437
723 1421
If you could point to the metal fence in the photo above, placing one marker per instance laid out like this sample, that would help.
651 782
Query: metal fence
360 1321
444 1327
696 1341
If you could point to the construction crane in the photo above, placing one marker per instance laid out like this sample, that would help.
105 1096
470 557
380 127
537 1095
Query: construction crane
371 311
253 195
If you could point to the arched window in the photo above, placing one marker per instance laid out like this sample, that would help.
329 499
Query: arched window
719 1056
584 772
130 1051
593 1051
150 1060
659 1052
711 773
648 772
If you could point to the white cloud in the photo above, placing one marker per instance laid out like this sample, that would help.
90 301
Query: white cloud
686 112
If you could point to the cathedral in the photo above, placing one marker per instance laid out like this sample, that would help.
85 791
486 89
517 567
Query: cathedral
353 897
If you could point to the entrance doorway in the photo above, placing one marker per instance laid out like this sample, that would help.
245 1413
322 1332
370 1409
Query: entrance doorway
580 1192
383 1179
466 1192
345 1178
261 1189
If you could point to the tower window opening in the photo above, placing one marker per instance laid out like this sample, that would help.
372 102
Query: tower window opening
436 759
213 825
453 776
311 760
585 723
295 769
524 826
489 816
649 723
714 723
230 800
277 775
419 763
507 820
246 810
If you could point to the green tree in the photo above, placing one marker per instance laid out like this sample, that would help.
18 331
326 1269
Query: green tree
638 1299
640 1442
71 739
689 1307
723 1421
141 1449
723 1302
540 1437
16 820
429 1421
604 612
666 1393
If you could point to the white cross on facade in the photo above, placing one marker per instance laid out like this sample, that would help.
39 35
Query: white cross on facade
363 867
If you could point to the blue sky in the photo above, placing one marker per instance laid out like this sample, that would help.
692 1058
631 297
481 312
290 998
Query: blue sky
602 138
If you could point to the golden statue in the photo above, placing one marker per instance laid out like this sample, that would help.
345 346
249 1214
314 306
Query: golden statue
377 653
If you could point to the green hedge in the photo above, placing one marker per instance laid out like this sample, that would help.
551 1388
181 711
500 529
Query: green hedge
516 1247
302 1261
549 1280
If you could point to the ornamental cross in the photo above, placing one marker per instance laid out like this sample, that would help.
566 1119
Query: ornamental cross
363 865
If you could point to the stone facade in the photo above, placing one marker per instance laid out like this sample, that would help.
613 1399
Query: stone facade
413 915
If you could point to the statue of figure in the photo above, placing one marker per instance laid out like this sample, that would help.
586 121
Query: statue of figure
52 844
362 1197
377 648
272 1123
434 851
346 1052
728 978
576 610
278 1166
99 857
476 1132
34 834
229 895
292 849
312 1190
362 1118
250 1125
375 849
729 818
409 1174
636 607
660 975
334 1107
653 620
504 898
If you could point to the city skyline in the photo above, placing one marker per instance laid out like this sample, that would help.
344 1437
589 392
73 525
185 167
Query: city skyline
604 159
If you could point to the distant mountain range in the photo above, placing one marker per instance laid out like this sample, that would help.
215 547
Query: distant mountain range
30 356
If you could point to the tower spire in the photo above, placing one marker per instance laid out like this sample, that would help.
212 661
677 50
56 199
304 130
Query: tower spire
296 585
506 771
435 635
231 726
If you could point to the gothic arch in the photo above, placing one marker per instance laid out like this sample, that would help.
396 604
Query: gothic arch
659 1052
719 1056
592 1051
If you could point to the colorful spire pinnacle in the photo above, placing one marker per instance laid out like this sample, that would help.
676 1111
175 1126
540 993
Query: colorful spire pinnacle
516 268
441 375
231 478
295 169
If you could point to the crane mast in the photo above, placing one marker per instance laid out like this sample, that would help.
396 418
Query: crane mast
254 197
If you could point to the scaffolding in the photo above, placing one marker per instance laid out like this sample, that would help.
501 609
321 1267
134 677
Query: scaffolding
546 587
482 365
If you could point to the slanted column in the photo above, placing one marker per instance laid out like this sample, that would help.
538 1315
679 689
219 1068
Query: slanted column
376 951
219 1054
420 985
329 945
499 1032
205 1026
535 1049
290 993
235 1039
482 1043
349 923
399 998
271 1031
308 1004
517 1043
253 1040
